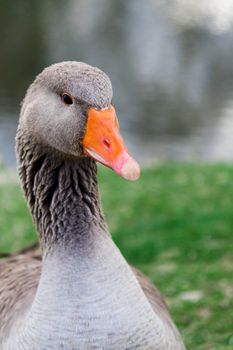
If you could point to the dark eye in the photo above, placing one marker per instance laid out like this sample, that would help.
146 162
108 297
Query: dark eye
67 99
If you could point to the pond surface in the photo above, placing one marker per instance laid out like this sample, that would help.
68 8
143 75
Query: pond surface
170 64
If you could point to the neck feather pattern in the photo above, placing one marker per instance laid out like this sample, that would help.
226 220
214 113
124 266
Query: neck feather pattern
62 193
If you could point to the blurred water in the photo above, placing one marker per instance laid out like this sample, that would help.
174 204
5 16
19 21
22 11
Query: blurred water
170 63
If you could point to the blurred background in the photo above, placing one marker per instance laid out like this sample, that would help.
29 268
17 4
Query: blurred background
170 63
171 66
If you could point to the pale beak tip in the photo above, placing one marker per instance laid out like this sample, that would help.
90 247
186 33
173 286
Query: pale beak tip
130 170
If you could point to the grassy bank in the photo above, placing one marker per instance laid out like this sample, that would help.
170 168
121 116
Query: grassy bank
176 224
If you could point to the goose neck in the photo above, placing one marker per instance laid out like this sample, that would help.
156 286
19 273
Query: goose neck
62 195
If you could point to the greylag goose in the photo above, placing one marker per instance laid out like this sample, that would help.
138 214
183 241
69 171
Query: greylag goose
83 294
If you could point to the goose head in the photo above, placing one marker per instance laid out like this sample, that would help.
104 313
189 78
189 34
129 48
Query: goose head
68 109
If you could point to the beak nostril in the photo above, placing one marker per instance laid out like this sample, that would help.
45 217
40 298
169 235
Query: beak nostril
107 143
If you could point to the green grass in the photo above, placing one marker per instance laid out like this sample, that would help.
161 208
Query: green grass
176 224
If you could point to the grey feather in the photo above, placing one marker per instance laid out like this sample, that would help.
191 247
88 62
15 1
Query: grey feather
82 294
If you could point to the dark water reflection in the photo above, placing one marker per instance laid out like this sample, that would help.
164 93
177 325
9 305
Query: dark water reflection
173 83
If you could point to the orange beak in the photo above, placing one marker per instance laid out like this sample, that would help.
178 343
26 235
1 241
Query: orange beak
103 142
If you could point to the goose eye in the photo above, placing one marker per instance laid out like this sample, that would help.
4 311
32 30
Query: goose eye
67 99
